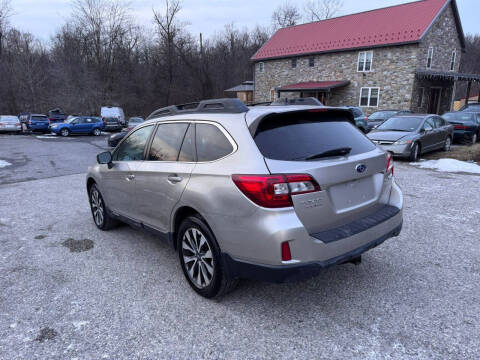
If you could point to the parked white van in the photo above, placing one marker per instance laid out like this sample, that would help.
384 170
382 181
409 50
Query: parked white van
113 112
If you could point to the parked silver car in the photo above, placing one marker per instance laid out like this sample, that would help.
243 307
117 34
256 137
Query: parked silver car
10 123
408 136
275 193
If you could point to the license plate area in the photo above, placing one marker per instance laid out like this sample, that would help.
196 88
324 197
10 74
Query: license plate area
353 194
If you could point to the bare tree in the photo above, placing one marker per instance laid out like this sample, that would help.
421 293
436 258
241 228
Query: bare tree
5 13
168 29
286 14
316 10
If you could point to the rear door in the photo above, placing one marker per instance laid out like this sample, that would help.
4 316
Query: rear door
119 180
162 177
351 184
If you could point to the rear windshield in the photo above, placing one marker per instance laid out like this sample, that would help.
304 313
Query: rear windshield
297 137
380 115
42 118
458 116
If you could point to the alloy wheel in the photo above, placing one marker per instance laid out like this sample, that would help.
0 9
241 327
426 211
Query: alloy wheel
97 207
64 132
198 258
448 144
96 132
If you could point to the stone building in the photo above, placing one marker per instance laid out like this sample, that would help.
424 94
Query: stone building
399 57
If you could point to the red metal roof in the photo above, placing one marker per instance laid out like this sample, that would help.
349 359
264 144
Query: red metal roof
314 85
404 23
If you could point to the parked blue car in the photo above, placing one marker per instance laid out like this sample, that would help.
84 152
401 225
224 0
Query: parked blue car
91 125
466 125
35 122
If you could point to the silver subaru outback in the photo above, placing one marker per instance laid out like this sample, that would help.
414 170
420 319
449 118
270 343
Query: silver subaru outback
275 193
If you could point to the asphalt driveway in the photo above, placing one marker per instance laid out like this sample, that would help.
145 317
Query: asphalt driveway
70 291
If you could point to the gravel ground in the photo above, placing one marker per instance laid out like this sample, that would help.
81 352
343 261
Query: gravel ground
70 291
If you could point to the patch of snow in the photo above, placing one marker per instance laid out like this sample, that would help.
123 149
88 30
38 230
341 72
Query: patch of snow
4 163
449 165
79 324
47 137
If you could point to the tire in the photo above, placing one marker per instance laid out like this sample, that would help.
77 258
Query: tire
101 217
97 132
448 144
414 152
200 259
64 132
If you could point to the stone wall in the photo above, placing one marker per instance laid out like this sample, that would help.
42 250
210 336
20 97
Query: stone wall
393 71
444 39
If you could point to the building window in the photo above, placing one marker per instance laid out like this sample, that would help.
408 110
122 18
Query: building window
421 94
294 63
369 97
430 57
311 62
365 59
452 62
261 67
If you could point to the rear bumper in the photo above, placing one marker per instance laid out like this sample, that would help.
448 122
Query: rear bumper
461 135
8 129
296 272
107 127
39 127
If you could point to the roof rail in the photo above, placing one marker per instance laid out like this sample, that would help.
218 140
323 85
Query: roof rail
297 101
215 106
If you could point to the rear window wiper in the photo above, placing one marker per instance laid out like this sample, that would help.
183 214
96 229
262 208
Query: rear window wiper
334 152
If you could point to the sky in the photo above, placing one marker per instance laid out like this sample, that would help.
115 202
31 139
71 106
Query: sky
43 17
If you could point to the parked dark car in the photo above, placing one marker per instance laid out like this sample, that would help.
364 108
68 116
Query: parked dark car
361 120
380 116
56 115
79 125
36 122
466 125
471 107
408 136
111 124
114 139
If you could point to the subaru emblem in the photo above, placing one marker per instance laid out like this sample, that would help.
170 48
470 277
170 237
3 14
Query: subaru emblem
361 168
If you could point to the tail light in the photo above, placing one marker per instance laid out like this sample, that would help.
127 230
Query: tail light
366 118
459 127
286 254
50 120
389 168
275 191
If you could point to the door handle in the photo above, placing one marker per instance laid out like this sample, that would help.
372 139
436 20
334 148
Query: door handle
130 177
174 178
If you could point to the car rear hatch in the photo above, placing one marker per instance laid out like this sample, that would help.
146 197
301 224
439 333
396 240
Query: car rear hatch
347 166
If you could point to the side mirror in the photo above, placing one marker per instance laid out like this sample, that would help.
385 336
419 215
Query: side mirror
105 158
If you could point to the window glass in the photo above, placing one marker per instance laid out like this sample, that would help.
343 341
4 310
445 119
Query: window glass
368 61
167 141
429 57
452 62
296 137
211 143
438 122
428 125
374 97
39 118
132 148
408 123
361 60
260 67
421 92
187 152
294 62
311 61
364 97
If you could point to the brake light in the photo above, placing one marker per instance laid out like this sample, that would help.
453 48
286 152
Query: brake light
366 118
459 127
389 168
51 119
275 191
286 254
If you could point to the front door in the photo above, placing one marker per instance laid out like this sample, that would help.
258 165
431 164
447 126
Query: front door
434 105
119 180
429 136
162 177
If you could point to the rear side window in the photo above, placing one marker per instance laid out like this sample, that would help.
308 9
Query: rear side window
167 142
187 152
133 146
296 137
439 122
212 144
